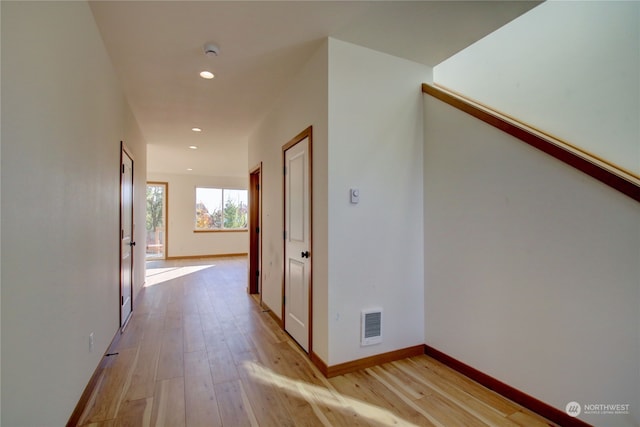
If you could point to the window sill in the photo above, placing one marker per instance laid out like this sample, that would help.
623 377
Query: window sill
223 230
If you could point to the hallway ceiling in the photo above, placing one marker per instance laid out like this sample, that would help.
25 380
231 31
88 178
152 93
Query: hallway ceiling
156 49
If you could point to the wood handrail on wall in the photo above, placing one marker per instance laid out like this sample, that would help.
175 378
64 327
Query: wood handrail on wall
622 180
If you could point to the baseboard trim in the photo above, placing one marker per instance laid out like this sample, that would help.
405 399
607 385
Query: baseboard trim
319 363
74 419
529 402
173 258
273 315
367 362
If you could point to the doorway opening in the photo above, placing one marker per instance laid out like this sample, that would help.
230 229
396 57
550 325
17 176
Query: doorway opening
255 231
156 223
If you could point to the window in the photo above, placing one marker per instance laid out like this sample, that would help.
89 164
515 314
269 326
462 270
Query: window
220 209
157 202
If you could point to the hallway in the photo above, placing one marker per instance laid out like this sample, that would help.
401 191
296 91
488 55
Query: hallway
199 351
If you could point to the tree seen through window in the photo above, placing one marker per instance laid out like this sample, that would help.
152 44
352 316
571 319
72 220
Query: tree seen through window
219 209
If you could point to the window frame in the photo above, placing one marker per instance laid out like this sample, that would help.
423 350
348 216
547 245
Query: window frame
222 198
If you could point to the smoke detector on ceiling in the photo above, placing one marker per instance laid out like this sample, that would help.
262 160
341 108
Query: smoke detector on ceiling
211 49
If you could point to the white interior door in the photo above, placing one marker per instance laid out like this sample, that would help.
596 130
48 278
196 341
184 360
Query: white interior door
126 237
297 241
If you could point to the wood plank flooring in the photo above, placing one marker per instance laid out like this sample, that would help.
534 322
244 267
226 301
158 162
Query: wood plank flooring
199 351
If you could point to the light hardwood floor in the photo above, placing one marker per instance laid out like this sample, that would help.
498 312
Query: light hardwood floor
199 351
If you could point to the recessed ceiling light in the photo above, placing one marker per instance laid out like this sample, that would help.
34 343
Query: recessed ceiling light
196 129
193 147
206 75
189 169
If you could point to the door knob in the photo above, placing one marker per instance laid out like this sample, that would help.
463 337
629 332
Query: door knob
305 254
132 244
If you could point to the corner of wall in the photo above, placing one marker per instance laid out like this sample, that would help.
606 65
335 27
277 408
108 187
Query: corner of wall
136 142
375 246
303 103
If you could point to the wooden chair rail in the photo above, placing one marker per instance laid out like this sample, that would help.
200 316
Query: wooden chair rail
622 180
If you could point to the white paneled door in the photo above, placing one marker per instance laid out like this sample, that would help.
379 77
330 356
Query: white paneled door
297 220
126 236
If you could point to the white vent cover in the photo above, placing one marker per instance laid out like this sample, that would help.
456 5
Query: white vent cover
371 327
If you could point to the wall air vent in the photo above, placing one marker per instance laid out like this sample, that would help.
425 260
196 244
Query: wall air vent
371 326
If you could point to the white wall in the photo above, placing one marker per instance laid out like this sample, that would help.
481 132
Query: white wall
0 229
303 104
531 268
366 112
376 246
64 116
182 241
568 68
134 140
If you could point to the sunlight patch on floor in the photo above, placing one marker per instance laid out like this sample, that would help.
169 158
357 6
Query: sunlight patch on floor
317 395
159 275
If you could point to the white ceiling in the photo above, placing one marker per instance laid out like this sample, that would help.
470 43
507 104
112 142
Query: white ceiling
156 49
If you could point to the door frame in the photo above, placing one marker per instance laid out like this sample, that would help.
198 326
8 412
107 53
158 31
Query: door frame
255 231
165 219
125 151
307 133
